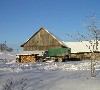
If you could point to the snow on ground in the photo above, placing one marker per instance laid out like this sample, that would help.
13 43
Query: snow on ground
69 75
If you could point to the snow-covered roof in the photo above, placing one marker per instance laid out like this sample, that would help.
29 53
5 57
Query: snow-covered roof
40 53
83 46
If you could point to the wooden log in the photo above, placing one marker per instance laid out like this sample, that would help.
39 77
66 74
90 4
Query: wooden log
27 58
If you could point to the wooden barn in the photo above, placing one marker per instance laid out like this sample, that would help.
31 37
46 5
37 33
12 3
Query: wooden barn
42 40
36 46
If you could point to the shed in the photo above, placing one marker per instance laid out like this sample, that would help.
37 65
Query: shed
28 56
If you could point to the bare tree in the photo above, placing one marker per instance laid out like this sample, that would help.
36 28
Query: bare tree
93 28
94 37
4 47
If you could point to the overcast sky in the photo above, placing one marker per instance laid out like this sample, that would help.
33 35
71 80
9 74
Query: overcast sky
20 19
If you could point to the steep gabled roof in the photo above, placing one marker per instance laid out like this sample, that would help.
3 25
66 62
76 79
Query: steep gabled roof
50 34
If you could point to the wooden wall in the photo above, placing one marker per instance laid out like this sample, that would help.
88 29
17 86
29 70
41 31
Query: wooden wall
86 56
42 40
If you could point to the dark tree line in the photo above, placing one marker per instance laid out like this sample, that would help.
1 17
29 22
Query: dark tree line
4 47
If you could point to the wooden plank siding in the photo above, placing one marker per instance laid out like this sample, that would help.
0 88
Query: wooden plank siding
42 40
86 56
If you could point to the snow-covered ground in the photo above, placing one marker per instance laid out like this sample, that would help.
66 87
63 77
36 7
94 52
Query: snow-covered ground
69 75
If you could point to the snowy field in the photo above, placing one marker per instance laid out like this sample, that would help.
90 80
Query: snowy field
69 75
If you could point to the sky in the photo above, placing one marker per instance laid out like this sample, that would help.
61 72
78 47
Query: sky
20 19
